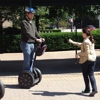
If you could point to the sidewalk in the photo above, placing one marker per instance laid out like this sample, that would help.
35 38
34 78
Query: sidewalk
46 55
52 87
48 63
61 79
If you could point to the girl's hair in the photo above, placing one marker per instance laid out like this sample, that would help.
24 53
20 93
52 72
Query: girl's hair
88 33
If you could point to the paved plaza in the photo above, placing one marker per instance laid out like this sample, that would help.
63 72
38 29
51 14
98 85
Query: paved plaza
61 78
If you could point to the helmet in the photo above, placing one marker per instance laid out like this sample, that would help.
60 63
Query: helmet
30 10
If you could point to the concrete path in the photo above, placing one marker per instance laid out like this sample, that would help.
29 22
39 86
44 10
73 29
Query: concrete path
61 77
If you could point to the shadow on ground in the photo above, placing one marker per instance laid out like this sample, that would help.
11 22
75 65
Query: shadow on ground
53 66
12 86
48 93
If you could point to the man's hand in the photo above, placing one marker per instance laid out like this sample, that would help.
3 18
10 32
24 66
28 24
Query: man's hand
43 40
39 40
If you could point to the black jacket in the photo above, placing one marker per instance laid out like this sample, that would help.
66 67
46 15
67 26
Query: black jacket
28 31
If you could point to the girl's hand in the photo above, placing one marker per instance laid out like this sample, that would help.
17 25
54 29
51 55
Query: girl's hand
70 41
76 56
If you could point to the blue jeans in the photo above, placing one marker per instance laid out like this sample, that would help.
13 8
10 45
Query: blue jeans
88 74
28 51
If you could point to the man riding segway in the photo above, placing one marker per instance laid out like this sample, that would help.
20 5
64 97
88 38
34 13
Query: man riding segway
29 35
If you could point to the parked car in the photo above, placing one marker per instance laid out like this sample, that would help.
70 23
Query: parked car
91 27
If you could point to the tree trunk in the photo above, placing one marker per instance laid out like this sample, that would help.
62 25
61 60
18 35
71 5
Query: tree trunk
37 22
1 28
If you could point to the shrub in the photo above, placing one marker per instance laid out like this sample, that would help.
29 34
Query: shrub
56 41
56 30
11 30
10 43
49 30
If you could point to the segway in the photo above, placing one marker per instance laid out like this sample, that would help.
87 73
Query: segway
2 89
28 79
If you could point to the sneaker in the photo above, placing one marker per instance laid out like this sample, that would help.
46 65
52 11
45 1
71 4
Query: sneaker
85 91
92 93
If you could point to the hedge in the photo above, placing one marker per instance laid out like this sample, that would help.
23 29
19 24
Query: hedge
9 43
49 30
56 41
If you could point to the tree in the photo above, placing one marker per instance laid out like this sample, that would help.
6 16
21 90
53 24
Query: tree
84 13
4 15
49 14
17 15
14 14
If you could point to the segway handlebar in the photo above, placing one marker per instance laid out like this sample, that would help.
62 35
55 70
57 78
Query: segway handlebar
41 48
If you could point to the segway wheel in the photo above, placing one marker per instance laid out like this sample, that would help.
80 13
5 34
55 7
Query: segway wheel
37 75
2 89
26 79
